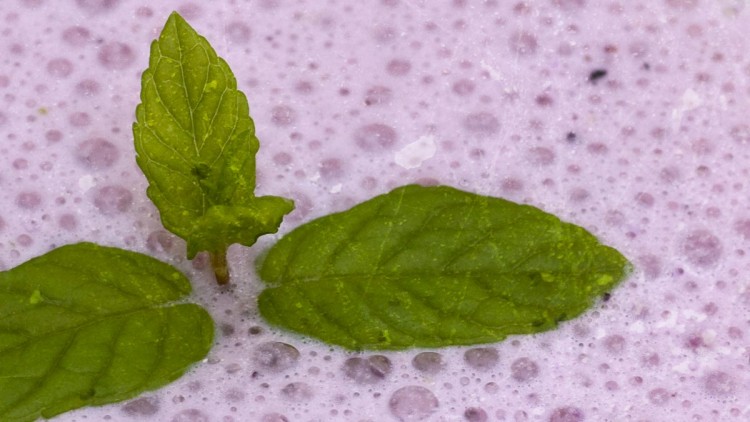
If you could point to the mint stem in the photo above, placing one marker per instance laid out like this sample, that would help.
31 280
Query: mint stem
219 262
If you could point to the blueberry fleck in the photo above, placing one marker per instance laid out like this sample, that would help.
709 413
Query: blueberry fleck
597 74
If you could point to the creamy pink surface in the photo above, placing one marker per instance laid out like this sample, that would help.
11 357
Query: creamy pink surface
351 99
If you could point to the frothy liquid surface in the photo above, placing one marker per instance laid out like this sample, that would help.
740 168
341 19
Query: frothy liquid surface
631 119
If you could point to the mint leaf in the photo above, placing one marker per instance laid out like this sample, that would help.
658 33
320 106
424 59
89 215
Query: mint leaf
90 325
431 267
196 144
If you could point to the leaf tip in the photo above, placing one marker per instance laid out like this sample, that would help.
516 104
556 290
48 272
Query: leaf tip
175 17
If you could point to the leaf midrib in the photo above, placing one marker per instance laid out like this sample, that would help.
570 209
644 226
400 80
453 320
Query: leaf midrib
92 321
95 379
372 276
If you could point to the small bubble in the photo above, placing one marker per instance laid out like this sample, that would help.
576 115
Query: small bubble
702 248
238 32
144 12
304 87
17 49
275 356
658 396
735 333
79 119
190 415
76 36
412 403
274 417
67 222
233 368
24 240
544 100
368 370
491 388
682 4
481 123
710 308
719 383
428 362
702 146
597 148
385 34
511 185
282 115
523 43
282 159
97 6
227 329
87 88
651 265
368 183
669 175
59 68
644 199
463 87
524 369
32 3
331 168
116 56
398 67
20 164
615 344
569 4
375 136
159 241
567 414
112 199
579 194
740 134
378 95
475 414
297 391
28 200
144 406
742 227
540 156
481 358
97 154
270 4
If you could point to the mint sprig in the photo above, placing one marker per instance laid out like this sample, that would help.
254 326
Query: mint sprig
433 267
196 144
90 325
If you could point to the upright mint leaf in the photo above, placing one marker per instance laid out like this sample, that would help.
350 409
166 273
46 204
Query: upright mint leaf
196 144
90 325
432 267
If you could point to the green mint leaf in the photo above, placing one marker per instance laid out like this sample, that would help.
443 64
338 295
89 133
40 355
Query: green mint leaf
196 144
432 267
90 325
